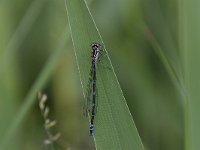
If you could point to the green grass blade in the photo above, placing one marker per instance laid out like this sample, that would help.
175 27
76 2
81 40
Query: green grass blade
31 96
114 126
190 46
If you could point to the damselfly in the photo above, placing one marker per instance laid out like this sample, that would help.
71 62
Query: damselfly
90 105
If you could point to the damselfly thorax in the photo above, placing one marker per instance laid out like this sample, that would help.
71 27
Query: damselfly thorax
95 52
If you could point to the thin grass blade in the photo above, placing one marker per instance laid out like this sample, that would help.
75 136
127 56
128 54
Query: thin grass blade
190 48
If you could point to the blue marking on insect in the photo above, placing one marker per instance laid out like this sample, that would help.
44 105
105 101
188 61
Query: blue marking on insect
91 129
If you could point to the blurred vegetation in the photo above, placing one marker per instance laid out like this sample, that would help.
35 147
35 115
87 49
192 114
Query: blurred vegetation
36 54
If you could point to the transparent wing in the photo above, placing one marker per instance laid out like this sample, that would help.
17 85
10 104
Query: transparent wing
87 103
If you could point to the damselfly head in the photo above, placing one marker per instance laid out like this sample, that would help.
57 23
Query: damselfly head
95 46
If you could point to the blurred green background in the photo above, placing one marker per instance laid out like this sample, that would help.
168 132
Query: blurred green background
33 32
